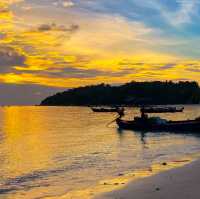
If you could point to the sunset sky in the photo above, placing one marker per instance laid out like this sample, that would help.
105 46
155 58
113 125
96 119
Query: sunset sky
51 45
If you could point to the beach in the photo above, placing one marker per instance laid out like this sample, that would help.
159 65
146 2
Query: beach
180 182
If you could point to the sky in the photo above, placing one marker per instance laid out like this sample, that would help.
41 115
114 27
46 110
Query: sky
47 46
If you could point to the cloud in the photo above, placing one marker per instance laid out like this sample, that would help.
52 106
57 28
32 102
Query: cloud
68 3
73 72
168 66
106 35
174 13
64 3
105 47
184 15
2 35
55 27
193 67
4 10
7 3
9 59
194 70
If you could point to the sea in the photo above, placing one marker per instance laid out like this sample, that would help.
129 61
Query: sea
62 152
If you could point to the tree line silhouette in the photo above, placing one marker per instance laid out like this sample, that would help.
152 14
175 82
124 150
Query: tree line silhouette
133 93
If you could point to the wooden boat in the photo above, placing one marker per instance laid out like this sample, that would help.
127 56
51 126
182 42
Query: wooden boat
161 109
104 110
187 125
145 123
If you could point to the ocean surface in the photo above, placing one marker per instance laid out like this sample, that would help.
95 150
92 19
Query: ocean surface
52 151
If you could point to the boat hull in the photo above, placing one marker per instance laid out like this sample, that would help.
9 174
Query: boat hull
161 109
188 125
104 110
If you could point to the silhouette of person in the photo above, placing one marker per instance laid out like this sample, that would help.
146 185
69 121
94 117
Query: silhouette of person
120 111
144 116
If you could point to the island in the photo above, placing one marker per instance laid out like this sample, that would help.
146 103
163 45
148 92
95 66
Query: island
132 93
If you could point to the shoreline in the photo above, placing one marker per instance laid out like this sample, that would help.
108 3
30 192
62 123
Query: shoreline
111 188
179 182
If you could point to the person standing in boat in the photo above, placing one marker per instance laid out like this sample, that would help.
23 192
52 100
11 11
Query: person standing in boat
120 111
144 116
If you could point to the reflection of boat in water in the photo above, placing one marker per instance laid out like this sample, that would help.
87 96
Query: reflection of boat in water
158 124
106 109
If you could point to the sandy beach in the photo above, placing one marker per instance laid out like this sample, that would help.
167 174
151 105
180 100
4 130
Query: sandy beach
180 183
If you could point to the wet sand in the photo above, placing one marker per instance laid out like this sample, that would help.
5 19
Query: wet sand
180 183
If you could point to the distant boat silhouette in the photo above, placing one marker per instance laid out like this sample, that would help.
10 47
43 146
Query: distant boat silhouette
167 109
106 109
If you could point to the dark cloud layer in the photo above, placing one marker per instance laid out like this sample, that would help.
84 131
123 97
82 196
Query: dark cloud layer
55 27
9 58
73 72
168 66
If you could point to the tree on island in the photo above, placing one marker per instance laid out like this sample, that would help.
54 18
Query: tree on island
133 93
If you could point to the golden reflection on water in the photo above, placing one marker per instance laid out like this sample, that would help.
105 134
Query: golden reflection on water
24 141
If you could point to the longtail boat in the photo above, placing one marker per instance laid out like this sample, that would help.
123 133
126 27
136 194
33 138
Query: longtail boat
162 109
106 109
145 123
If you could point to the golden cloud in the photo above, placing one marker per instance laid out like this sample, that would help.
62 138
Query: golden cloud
93 50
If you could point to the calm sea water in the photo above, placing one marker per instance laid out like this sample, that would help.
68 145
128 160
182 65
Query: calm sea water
49 151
